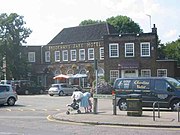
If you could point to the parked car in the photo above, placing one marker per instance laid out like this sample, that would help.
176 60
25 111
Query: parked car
10 82
28 87
165 90
61 89
7 95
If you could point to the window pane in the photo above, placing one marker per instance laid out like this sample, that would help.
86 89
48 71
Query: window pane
57 55
129 49
82 54
146 73
31 56
65 55
113 50
114 74
145 49
162 72
91 54
47 56
73 55
102 53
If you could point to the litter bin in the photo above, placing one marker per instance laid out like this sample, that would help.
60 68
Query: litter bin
134 105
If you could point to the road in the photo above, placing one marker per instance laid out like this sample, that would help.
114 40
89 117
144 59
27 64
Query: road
29 117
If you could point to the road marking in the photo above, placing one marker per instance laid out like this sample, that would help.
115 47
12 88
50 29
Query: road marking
9 110
9 133
20 109
33 109
44 109
29 109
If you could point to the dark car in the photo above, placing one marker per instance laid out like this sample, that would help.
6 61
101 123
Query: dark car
28 87
165 90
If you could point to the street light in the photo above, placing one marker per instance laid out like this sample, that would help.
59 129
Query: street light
149 20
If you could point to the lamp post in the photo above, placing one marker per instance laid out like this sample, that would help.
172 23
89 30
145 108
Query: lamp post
4 67
149 20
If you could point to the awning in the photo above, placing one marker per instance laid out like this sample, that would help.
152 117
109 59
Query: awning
61 76
78 76
129 64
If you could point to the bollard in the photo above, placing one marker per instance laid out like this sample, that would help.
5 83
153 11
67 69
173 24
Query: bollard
114 105
178 109
95 105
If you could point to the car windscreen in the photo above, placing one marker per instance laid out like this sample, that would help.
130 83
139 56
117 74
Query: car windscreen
174 82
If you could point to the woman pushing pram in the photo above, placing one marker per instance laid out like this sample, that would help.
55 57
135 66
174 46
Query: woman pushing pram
80 100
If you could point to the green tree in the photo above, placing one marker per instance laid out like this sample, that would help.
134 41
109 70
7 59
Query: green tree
172 50
87 22
123 24
12 35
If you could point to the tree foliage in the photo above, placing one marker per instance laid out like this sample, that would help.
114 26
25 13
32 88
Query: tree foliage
89 21
172 50
12 35
123 24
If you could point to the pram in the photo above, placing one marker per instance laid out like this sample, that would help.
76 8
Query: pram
73 106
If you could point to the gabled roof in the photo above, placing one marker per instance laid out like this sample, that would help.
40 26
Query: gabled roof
86 33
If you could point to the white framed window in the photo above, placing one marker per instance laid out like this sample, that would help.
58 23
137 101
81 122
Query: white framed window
65 55
161 72
129 49
145 49
90 53
114 74
73 55
113 50
47 56
81 54
101 52
145 73
57 56
31 57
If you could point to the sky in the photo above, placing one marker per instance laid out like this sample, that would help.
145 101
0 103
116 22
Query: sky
46 18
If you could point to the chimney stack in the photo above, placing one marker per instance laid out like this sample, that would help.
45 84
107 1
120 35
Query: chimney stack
154 29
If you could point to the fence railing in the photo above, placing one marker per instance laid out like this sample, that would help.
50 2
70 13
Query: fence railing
154 114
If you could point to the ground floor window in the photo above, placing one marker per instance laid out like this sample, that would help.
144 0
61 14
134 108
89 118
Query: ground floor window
113 75
162 72
145 72
129 73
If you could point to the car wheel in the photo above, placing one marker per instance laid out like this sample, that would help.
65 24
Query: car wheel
26 92
79 111
61 93
11 101
67 112
122 105
51 95
174 105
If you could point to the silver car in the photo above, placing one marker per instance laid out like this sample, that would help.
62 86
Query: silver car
61 89
7 95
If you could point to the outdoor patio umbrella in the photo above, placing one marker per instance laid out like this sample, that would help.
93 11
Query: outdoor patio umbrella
61 76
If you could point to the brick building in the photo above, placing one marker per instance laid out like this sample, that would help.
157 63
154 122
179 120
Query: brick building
133 55
75 48
70 52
